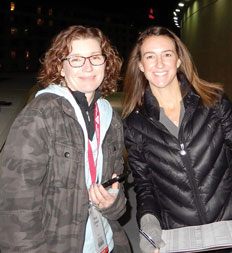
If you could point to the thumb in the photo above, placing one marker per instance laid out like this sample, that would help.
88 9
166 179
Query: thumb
114 185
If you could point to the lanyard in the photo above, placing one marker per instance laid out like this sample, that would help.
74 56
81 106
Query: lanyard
92 164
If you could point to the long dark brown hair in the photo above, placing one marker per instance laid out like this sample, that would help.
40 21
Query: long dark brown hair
60 48
135 82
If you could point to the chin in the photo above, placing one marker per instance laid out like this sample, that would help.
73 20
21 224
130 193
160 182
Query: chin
160 85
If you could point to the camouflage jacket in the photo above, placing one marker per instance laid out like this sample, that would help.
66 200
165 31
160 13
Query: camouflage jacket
43 195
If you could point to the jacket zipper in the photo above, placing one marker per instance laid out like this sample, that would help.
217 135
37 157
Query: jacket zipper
87 113
190 173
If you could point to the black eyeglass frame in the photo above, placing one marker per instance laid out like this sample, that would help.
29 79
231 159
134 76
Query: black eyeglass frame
85 58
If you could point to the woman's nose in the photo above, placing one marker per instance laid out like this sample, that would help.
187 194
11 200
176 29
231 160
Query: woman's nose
159 62
87 65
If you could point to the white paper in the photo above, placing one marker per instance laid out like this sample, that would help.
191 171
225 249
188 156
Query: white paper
198 238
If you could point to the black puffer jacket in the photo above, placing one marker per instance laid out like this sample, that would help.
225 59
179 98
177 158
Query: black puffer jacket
185 181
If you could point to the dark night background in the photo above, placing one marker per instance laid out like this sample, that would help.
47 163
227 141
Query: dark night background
27 30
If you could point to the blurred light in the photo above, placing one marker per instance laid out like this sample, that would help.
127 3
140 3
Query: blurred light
27 55
181 4
177 10
175 18
12 6
174 13
39 21
13 30
150 15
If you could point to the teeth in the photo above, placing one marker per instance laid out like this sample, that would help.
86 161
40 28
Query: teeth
160 73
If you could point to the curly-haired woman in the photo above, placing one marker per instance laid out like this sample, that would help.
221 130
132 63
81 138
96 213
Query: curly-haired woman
62 145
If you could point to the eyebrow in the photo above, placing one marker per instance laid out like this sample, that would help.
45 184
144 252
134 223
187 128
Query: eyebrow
165 51
92 53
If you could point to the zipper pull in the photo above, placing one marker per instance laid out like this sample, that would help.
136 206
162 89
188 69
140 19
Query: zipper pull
182 152
87 113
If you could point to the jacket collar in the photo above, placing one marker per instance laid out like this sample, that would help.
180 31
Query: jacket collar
81 98
150 107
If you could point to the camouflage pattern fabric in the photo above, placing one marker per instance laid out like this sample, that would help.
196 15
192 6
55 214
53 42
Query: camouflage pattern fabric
43 195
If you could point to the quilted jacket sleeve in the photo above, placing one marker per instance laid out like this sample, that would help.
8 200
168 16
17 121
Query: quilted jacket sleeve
144 187
23 167
225 111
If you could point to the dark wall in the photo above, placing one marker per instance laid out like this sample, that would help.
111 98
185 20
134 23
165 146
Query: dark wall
207 32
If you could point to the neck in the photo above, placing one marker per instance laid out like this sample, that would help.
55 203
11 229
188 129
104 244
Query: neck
89 97
169 97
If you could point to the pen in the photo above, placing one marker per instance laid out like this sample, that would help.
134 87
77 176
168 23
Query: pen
115 179
148 238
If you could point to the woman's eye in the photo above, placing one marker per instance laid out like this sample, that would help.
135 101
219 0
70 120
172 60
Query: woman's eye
150 57
76 59
95 57
168 55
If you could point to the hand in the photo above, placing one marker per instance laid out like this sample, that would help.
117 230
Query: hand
150 226
100 196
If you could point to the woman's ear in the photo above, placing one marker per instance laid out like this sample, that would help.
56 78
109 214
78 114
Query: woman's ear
178 63
140 65
62 72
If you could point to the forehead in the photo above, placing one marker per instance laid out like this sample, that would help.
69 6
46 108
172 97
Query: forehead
160 42
83 45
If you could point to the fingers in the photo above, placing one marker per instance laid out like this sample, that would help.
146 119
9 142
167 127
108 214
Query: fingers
115 185
92 195
100 196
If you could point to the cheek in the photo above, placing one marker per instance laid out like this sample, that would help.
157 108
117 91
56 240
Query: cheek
101 77
148 67
172 65
148 73
102 72
69 71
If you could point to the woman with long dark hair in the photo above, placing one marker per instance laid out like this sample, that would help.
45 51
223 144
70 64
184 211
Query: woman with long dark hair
178 134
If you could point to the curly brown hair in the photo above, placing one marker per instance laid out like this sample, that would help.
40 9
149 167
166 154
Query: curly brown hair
60 48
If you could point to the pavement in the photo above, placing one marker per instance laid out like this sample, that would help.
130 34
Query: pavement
15 91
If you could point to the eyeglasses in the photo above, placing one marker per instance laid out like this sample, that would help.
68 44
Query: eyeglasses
78 61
